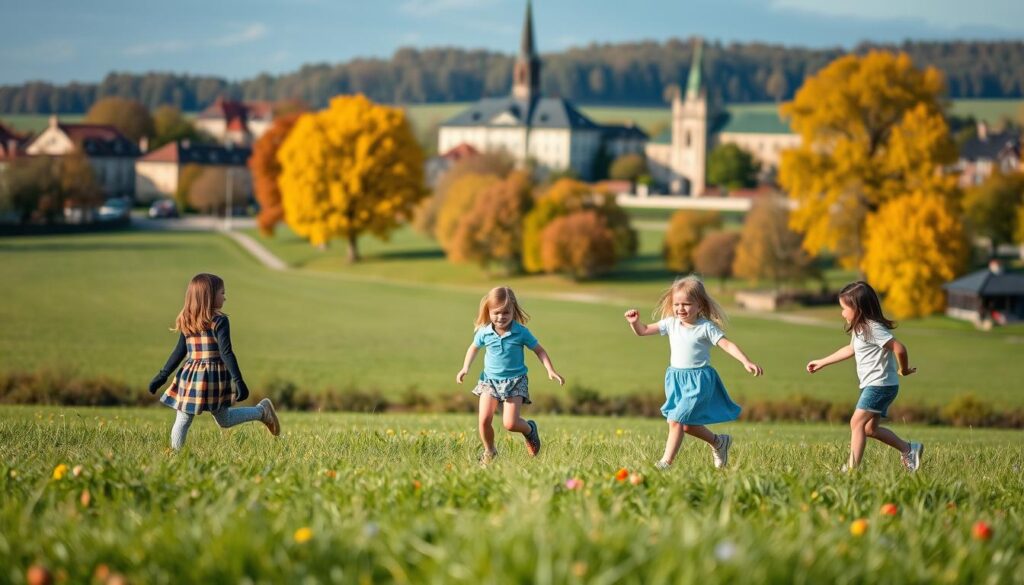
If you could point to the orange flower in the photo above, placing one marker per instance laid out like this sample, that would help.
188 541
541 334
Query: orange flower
60 471
38 575
303 535
85 499
889 509
859 527
636 478
416 485
622 474
331 474
981 530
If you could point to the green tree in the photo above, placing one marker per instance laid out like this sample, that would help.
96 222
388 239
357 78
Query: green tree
130 117
732 167
628 167
26 184
169 125
991 208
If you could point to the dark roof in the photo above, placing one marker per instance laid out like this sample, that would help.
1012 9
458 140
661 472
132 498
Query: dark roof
622 132
986 282
993 146
536 113
185 153
100 139
12 143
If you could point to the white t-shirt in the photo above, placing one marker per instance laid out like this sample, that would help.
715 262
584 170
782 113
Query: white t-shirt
876 366
691 346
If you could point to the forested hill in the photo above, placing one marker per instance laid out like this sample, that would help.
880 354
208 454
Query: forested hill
626 73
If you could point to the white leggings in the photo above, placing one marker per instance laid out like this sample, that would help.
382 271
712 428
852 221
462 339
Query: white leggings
225 417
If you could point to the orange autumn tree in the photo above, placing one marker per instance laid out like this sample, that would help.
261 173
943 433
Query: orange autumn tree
352 168
872 129
266 169
490 233
915 244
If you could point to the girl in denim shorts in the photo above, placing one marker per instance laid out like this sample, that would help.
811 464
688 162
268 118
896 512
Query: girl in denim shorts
500 329
881 359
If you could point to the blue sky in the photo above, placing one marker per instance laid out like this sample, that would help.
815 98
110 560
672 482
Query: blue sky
65 40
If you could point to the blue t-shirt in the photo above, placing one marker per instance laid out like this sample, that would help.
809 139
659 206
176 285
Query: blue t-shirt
691 346
504 357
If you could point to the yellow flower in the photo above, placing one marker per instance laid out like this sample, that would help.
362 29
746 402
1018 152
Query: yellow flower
303 535
60 471
859 527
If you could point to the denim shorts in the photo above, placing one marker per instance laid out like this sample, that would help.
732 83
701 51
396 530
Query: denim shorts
877 398
502 390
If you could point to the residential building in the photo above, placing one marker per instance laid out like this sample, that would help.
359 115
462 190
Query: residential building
158 173
111 155
236 122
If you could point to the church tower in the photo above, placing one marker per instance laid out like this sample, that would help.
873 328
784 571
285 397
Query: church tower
690 131
526 76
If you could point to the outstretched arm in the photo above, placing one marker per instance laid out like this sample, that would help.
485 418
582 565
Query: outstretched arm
177 355
902 359
843 353
546 360
470 356
633 318
735 351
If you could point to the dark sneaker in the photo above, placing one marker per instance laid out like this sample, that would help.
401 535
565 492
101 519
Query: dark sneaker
533 439
269 417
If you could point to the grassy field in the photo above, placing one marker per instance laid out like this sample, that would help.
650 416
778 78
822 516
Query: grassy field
377 499
101 305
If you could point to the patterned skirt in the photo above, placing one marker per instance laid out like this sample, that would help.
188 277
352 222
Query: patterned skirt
200 385
502 390
696 396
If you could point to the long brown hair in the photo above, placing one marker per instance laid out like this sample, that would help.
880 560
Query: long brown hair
500 297
863 299
198 312
693 288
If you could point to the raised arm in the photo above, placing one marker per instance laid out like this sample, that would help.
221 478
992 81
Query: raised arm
545 359
843 353
470 356
734 350
177 354
902 359
222 330
633 318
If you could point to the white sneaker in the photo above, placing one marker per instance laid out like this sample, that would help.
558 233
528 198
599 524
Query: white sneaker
912 460
662 465
720 451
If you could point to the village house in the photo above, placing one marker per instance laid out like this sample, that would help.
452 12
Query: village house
235 122
986 153
110 154
159 173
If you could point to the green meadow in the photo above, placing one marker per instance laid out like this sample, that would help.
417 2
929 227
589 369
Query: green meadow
102 306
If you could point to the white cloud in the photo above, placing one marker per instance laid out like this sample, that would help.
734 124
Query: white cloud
242 34
946 14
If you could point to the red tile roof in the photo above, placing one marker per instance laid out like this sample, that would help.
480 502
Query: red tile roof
460 152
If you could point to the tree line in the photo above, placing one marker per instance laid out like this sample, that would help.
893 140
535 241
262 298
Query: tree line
624 73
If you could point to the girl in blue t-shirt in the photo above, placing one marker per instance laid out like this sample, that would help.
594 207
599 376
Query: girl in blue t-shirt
694 394
881 359
500 329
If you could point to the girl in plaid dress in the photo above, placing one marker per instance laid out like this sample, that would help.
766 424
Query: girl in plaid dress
204 382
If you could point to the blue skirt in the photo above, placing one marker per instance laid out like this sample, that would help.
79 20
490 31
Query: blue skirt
696 396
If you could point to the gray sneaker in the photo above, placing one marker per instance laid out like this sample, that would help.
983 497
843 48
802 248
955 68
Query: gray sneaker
269 417
720 450
533 439
912 460
662 465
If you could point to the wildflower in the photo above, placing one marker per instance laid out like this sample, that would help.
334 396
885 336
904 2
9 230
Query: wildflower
619 432
573 483
579 569
303 535
622 474
60 471
636 478
101 573
76 470
859 527
416 485
85 499
371 529
889 510
981 530
331 474
390 432
725 551
38 575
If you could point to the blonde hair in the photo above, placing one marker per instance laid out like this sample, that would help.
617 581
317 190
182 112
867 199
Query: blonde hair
198 312
693 288
500 297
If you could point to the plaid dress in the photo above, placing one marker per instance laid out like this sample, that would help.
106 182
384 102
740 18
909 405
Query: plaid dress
203 382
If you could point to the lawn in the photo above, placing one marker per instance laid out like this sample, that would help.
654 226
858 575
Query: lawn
101 305
400 498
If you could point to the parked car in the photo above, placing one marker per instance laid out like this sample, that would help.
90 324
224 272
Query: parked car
163 208
116 208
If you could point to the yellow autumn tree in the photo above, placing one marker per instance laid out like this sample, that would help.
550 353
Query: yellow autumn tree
685 231
459 198
352 168
914 244
872 129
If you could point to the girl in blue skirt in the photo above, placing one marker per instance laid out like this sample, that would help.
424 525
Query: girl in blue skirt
694 394
204 382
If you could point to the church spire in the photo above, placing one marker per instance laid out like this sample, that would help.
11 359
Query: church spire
693 84
526 76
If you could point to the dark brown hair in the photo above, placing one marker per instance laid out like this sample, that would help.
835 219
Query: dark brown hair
864 301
